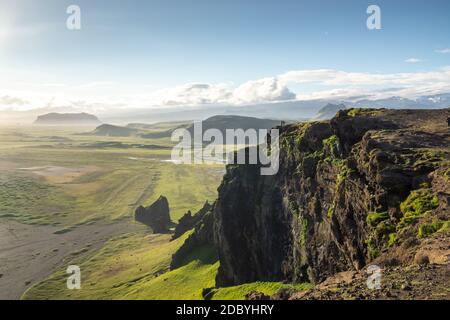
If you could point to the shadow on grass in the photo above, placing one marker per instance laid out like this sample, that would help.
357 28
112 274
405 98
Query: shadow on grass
205 254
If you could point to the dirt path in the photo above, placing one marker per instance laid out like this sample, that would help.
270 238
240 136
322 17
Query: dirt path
28 253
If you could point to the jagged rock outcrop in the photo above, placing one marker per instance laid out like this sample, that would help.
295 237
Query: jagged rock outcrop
202 235
156 216
349 191
189 221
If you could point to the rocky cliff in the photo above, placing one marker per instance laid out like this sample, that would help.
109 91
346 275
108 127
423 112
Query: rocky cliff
156 216
368 185
188 221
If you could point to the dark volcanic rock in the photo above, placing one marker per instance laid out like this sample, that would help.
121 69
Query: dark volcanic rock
311 220
189 221
255 295
202 235
156 216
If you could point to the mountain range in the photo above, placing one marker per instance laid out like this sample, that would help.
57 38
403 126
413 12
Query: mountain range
286 110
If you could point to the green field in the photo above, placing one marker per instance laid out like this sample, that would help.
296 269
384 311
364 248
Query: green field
120 266
57 177
136 267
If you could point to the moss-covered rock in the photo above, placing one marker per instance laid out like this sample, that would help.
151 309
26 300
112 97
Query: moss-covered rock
418 204
429 229
374 218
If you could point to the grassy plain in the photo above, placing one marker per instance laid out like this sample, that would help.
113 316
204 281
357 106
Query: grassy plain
54 176
57 177
136 267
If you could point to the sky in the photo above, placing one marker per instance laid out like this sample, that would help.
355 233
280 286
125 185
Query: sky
153 53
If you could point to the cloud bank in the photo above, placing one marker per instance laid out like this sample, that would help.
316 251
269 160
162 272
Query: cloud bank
308 84
12 101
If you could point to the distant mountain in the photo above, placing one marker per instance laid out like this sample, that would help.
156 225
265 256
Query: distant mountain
220 122
437 101
72 119
290 110
423 102
108 130
390 103
147 131
286 110
158 125
295 110
329 111
223 122
158 134
144 126
159 129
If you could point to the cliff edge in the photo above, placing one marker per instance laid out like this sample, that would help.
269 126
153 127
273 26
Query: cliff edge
370 186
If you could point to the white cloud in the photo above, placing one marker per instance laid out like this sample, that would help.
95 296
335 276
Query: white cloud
262 90
413 60
446 50
330 77
194 94
191 94
12 101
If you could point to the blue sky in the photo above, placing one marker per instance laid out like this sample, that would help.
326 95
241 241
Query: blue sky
164 46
